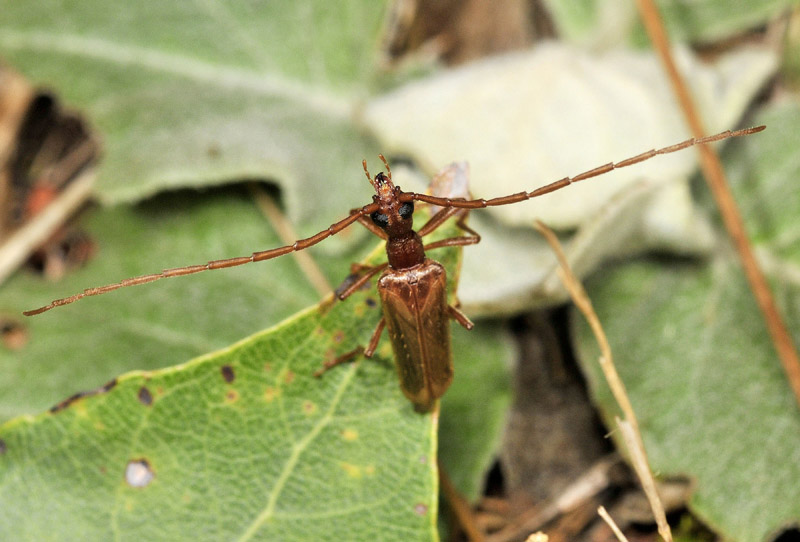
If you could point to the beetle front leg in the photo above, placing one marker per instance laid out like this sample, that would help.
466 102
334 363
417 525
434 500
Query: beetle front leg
356 279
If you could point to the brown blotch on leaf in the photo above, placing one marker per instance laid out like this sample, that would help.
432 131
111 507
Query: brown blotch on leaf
145 397
139 473
338 336
421 509
227 373
309 407
80 395
289 377
13 334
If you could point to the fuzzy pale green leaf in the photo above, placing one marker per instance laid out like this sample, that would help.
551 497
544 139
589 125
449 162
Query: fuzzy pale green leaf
604 24
202 93
80 346
692 348
519 133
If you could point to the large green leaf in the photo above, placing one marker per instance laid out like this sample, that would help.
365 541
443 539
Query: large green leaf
518 134
691 345
202 93
243 442
158 325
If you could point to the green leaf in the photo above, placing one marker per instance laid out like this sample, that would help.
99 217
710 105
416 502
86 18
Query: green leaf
691 346
81 346
205 93
605 24
242 443
595 108
474 408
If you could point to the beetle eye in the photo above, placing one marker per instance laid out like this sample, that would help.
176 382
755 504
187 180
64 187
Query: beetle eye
406 210
381 220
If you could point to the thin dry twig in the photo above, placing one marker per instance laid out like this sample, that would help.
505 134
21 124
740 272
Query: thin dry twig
611 523
459 507
715 176
630 426
590 484
287 234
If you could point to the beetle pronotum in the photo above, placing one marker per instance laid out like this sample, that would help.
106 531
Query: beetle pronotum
412 286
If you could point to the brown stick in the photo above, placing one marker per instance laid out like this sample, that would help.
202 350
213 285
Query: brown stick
713 172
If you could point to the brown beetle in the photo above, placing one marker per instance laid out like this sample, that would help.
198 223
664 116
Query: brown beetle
412 287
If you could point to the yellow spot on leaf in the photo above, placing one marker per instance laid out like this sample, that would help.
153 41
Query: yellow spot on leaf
349 434
271 393
354 471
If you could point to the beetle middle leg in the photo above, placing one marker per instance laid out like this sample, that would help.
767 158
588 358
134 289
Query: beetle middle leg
354 353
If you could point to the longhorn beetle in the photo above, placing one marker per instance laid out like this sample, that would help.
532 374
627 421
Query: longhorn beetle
412 286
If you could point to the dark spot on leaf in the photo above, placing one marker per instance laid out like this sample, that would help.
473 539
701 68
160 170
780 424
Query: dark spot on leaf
289 378
80 395
13 333
231 396
421 509
338 336
139 473
309 407
3 446
213 150
144 396
227 373
371 302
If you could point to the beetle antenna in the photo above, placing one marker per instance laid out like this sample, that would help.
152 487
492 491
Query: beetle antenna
366 171
386 163
301 244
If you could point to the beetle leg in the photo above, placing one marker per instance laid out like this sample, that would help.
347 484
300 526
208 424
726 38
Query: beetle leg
347 356
353 282
338 361
459 317
376 336
437 220
367 222
472 239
